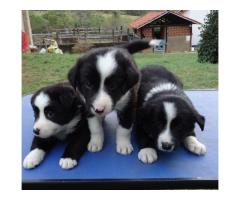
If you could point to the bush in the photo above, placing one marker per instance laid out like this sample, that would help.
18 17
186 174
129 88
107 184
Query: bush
208 45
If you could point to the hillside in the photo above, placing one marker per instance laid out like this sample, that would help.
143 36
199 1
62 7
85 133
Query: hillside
44 21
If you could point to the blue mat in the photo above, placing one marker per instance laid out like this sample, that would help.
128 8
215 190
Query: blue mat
108 164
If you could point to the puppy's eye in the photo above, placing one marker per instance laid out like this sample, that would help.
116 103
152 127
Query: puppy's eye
113 86
49 112
88 85
177 122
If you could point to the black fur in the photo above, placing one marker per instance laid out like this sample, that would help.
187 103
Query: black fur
86 79
151 116
122 81
64 105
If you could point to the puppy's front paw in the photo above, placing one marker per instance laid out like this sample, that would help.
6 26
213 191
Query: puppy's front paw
34 158
124 147
147 155
67 163
193 145
95 144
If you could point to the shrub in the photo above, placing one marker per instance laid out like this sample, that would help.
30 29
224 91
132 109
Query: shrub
208 45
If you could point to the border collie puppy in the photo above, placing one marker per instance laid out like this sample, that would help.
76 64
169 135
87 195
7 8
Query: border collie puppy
59 114
107 79
165 115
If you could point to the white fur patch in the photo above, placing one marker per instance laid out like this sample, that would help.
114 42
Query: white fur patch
106 65
123 140
33 158
103 101
160 88
165 136
68 128
97 135
47 128
67 163
154 42
193 145
147 155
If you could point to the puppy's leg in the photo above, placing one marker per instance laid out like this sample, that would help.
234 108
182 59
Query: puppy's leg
123 134
192 144
38 151
147 153
97 134
123 140
75 148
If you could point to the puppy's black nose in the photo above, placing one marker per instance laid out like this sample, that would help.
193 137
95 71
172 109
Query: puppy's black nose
167 146
36 131
99 110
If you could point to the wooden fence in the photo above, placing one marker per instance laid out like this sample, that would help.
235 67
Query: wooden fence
77 35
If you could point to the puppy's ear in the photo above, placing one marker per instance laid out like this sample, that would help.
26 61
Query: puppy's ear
132 73
133 76
200 120
73 76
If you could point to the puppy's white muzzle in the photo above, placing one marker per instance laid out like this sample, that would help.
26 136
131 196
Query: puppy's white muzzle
46 128
102 105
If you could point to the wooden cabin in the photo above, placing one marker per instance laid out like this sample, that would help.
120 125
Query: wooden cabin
172 27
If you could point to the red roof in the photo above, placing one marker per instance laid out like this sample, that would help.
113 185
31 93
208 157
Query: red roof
151 16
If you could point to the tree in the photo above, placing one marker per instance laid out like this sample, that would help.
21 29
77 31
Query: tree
58 19
208 45
38 23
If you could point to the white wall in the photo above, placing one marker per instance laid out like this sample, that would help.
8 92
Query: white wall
198 15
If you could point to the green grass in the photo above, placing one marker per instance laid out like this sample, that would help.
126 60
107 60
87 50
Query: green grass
39 70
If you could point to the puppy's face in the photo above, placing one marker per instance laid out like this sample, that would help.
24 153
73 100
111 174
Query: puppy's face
102 77
168 122
54 108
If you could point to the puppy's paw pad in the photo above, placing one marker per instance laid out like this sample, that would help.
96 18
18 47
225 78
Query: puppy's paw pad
33 159
124 148
147 155
94 146
67 163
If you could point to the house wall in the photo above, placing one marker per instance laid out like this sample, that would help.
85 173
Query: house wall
178 38
178 30
147 32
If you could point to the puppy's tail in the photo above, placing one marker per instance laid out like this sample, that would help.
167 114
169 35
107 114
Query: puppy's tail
139 45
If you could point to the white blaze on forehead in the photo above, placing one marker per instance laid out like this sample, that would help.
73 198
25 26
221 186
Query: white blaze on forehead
160 88
46 127
41 101
165 135
170 110
106 64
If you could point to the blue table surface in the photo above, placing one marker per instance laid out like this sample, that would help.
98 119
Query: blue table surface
107 164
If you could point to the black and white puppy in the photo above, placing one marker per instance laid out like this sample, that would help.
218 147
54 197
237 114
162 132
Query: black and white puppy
107 79
59 114
165 115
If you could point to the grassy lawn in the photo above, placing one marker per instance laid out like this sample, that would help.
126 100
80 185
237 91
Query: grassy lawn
39 70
